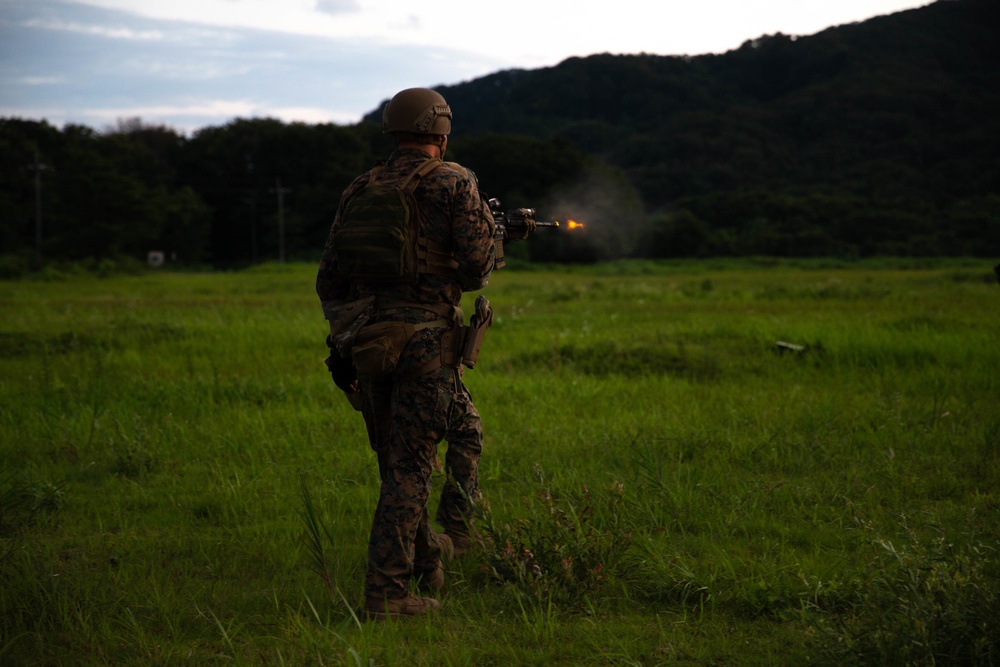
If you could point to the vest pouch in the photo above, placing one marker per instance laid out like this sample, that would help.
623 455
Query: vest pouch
378 237
378 346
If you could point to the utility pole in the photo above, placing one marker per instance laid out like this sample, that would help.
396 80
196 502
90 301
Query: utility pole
38 168
252 203
281 217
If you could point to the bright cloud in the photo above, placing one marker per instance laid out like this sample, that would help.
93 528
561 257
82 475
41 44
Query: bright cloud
337 6
114 32
42 80
527 33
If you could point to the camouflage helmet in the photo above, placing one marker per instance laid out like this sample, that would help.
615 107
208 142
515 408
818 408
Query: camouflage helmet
417 110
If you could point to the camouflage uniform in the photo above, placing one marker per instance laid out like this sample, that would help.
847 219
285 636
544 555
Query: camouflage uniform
409 412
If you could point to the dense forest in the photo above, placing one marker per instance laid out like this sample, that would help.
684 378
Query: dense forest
874 138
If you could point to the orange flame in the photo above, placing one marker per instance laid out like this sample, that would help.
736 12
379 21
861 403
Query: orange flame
573 224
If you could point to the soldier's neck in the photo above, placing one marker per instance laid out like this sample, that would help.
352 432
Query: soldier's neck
432 150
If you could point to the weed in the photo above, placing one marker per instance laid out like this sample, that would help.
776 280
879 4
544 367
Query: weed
21 500
114 336
316 530
926 603
131 459
613 358
559 553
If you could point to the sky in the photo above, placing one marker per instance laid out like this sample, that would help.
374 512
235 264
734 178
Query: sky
188 64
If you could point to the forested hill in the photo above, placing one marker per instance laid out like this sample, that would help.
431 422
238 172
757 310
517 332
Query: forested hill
881 136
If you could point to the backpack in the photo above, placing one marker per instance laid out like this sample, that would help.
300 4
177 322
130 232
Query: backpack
378 238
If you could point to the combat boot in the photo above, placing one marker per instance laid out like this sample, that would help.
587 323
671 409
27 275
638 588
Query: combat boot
433 582
460 544
384 609
447 546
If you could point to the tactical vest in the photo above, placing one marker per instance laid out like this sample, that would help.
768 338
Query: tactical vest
379 238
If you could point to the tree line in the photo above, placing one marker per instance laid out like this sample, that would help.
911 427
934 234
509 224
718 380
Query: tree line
249 191
876 138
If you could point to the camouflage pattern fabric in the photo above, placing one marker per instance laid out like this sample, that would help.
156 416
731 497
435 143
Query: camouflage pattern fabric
453 213
408 414
406 421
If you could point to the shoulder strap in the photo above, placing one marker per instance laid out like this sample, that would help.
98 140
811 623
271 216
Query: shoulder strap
422 170
432 257
410 182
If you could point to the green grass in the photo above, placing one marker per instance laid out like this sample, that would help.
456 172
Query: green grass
180 482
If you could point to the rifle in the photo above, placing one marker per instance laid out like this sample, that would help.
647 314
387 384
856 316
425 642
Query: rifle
513 225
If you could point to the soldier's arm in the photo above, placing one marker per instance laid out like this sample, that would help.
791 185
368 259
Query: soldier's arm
473 234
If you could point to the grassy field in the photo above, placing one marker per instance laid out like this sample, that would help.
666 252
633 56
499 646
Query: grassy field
181 483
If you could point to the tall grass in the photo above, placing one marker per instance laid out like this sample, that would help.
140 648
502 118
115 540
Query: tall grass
181 482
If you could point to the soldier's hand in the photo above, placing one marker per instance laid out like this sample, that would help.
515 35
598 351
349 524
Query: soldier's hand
344 374
520 223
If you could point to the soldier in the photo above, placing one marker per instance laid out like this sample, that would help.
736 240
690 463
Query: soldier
395 326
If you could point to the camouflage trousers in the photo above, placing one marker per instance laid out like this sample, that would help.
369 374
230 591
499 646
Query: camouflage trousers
406 421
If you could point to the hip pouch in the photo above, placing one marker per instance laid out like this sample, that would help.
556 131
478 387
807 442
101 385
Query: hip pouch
481 321
346 320
452 342
378 346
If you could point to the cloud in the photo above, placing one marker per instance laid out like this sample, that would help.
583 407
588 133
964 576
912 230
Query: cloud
41 80
412 23
337 6
186 118
71 63
113 32
310 115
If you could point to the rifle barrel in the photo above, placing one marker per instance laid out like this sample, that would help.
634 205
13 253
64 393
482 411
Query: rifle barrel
548 223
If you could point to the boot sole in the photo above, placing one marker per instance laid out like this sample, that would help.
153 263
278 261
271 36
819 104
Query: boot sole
391 616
